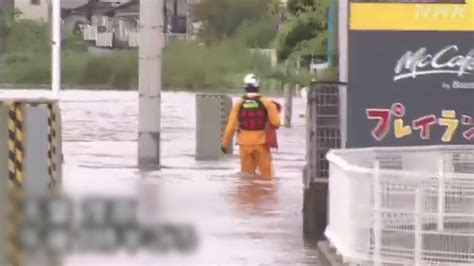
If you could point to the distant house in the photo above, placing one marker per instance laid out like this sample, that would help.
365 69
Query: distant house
125 19
37 10
90 21
115 23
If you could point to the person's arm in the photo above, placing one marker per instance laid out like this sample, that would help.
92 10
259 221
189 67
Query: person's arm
232 124
273 114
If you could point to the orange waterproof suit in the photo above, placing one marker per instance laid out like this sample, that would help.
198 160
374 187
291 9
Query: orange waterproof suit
254 153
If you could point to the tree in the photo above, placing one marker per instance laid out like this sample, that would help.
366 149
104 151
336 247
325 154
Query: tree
305 34
257 34
221 18
297 6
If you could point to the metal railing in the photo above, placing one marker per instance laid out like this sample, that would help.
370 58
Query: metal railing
402 206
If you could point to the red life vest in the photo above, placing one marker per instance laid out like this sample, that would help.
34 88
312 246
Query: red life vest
252 114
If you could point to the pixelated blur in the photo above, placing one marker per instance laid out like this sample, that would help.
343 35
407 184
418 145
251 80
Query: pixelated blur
52 225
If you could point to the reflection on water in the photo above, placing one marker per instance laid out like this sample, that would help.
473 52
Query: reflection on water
255 196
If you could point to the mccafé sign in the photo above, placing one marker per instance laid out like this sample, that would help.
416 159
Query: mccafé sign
411 73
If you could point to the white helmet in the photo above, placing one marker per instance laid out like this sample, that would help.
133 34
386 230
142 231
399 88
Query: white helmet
251 80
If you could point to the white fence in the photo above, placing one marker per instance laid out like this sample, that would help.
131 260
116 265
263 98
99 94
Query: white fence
402 206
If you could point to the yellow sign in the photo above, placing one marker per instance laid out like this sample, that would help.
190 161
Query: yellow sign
411 16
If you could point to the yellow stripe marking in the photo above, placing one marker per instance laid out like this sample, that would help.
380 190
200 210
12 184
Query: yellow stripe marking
400 16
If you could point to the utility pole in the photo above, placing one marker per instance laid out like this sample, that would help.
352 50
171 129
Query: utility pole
149 110
288 95
55 22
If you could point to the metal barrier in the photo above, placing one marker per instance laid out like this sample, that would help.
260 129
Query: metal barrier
324 121
30 164
403 206
212 111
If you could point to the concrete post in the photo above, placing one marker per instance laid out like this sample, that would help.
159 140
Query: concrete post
288 92
149 114
212 111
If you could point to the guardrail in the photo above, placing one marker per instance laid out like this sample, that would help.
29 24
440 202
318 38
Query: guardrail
402 206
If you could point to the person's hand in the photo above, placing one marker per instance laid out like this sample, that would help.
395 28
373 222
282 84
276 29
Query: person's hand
223 149
278 105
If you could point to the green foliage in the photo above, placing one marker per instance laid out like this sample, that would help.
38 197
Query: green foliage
27 36
298 6
74 43
257 34
305 35
36 70
221 18
187 65
221 66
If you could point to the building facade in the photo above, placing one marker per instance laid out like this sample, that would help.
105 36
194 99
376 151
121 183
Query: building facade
37 10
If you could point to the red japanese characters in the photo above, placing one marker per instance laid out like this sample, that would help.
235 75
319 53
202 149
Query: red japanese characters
423 125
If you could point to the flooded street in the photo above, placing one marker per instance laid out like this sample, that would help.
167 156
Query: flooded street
239 220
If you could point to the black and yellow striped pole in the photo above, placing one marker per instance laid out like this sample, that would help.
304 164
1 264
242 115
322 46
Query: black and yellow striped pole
53 260
51 147
15 174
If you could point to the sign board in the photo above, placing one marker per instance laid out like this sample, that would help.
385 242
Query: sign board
411 73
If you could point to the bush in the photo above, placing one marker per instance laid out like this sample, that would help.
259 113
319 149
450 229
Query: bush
191 66
27 36
221 18
118 70
35 71
257 34
186 65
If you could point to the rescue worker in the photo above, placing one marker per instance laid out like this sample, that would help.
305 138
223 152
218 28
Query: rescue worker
249 115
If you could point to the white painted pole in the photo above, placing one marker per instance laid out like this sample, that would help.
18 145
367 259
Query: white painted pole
343 54
149 106
441 194
56 48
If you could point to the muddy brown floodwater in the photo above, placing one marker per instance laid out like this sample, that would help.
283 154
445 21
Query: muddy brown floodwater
239 220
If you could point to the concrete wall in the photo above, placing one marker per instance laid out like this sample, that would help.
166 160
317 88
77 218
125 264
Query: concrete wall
38 12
